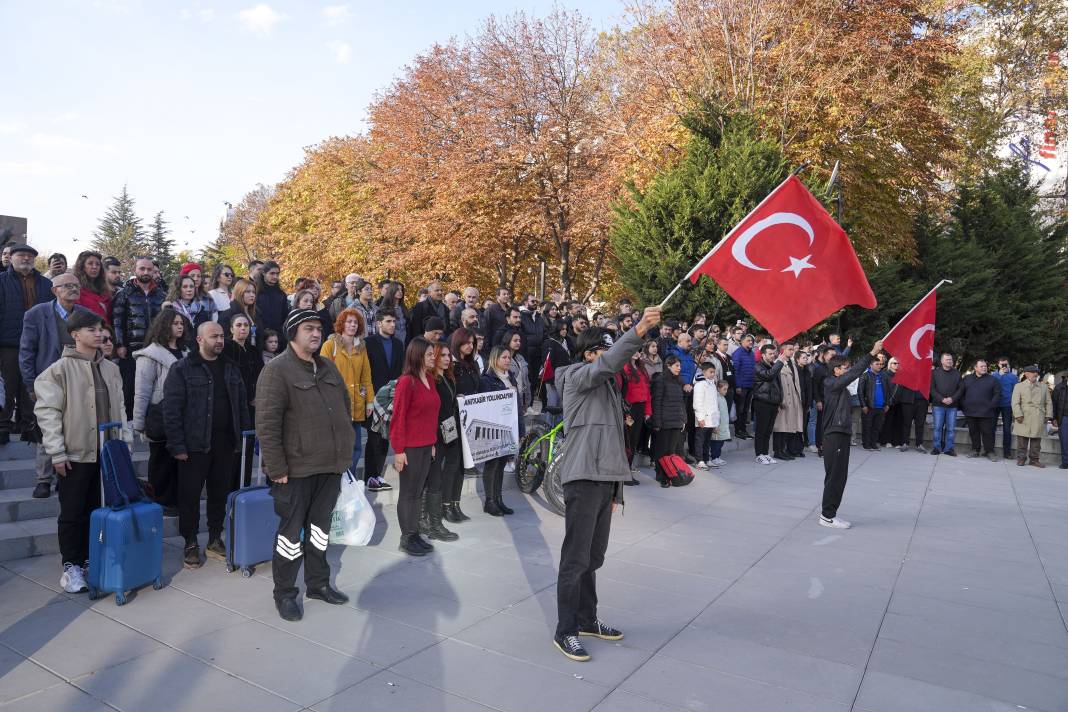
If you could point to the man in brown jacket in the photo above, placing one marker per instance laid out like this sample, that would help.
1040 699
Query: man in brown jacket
303 421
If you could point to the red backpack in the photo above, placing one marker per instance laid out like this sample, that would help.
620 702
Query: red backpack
677 471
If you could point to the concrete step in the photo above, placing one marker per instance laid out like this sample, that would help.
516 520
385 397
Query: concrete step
18 474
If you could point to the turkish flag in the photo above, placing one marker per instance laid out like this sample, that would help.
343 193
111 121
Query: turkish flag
911 342
788 263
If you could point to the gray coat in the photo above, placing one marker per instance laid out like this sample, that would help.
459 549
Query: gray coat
39 347
593 413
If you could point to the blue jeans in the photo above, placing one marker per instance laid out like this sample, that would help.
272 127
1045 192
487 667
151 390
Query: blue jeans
715 449
357 447
812 415
1005 412
944 415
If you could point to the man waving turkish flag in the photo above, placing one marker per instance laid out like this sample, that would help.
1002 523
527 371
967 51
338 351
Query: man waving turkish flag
788 263
911 342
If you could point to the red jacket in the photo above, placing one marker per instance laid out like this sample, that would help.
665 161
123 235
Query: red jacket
637 387
415 414
99 305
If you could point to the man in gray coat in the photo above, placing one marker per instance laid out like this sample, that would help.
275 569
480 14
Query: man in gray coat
44 334
592 471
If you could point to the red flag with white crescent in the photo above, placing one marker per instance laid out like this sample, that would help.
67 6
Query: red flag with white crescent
911 342
788 263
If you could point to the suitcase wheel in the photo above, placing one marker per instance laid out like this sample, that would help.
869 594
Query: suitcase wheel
120 598
93 594
247 572
157 584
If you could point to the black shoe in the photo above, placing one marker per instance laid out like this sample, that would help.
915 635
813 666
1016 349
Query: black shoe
781 456
170 511
491 508
460 513
632 482
505 509
43 490
570 646
951 452
600 630
690 459
665 483
327 595
5 438
373 486
288 609
191 557
1064 466
448 512
797 455
935 451
974 454
216 549
408 546
420 541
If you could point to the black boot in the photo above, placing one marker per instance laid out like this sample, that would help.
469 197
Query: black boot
460 516
448 511
438 531
408 546
288 609
498 486
489 491
424 517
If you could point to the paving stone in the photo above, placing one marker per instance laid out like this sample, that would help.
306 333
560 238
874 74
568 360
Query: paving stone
20 677
890 693
65 697
390 692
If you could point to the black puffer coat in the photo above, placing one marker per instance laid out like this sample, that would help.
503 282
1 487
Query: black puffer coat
132 311
669 407
767 388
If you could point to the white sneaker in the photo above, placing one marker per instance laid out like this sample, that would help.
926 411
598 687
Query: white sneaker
719 462
701 465
72 580
772 460
510 466
813 448
766 460
835 523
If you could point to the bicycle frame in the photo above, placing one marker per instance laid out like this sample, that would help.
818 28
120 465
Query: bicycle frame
551 435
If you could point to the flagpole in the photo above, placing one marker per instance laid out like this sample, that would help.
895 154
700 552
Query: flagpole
944 281
729 234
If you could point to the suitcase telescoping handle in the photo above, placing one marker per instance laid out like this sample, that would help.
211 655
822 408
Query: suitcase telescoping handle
103 429
248 445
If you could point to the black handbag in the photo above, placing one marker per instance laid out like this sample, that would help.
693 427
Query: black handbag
154 422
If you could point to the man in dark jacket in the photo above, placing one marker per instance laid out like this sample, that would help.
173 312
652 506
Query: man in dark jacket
205 410
946 389
272 305
21 288
1060 416
432 306
874 404
819 373
837 432
385 353
44 334
744 364
592 472
495 317
980 396
533 325
134 307
767 397
303 420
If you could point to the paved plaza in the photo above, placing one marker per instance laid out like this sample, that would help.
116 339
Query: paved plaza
948 594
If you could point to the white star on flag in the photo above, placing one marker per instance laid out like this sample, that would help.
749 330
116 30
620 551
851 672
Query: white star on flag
799 265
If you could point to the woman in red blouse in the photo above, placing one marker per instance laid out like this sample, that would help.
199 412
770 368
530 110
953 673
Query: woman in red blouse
413 431
95 294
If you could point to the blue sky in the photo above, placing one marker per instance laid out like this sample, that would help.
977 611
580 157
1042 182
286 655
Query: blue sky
192 104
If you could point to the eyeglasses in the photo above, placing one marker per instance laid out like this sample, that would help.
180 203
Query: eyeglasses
73 285
227 274
106 340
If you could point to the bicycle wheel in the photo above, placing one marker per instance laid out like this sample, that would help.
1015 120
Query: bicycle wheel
532 460
552 487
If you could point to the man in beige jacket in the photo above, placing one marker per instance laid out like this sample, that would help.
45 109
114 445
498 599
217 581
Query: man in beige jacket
1030 410
74 395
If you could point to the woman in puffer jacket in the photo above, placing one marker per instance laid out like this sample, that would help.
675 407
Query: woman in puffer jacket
669 415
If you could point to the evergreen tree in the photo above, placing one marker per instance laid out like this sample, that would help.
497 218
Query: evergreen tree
659 235
120 233
162 246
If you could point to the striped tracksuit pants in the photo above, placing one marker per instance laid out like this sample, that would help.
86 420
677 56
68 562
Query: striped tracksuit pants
303 503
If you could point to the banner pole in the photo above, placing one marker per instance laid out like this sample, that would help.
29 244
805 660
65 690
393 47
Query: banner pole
671 294
944 281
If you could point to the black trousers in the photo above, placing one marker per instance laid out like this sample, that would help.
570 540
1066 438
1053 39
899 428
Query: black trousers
666 441
163 474
587 524
765 421
17 401
493 477
79 495
216 469
412 480
128 371
303 503
819 429
687 402
744 401
894 430
447 471
374 456
871 423
981 432
836 471
915 420
636 432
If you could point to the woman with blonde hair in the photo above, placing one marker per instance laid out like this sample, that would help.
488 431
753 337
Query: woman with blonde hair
243 302
346 348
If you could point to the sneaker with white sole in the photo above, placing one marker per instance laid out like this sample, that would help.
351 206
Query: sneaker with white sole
570 646
720 462
771 460
813 448
602 631
383 485
763 460
835 523
701 465
73 580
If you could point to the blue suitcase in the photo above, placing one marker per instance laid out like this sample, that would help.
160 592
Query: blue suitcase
251 523
125 540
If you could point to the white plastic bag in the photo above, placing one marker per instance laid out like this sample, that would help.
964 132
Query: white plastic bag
353 521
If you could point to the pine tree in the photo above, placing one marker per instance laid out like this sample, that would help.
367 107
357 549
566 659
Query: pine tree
162 246
120 233
660 234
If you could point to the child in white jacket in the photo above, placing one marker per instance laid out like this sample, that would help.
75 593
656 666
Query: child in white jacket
722 433
705 413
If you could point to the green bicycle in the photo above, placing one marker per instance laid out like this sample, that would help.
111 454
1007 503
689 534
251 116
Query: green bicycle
539 450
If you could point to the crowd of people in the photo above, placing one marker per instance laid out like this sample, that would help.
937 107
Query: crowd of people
195 363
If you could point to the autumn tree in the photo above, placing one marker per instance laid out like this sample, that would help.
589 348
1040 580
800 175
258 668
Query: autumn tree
235 241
